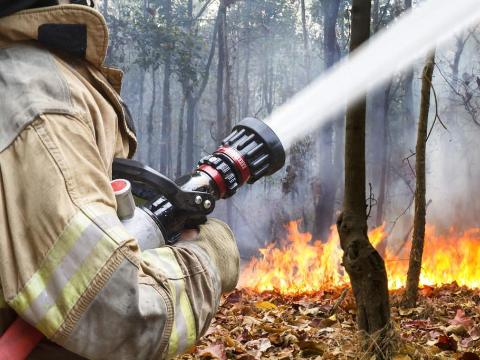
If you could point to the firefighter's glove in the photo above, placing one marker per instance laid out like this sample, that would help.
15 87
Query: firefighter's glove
217 240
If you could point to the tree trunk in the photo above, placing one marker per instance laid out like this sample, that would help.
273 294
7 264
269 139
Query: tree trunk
408 84
384 160
378 141
166 153
362 262
324 205
192 99
141 122
246 75
180 140
330 47
105 8
459 47
246 82
221 131
151 123
416 253
228 80
375 15
189 148
306 44
228 99
378 145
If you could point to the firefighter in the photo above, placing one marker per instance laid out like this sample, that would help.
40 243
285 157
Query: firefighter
67 264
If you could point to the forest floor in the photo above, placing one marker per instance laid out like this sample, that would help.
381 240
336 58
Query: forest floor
249 325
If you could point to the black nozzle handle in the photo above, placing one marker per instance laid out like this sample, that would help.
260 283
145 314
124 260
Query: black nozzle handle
183 200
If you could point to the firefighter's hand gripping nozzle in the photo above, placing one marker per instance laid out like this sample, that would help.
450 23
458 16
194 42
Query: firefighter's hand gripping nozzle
249 153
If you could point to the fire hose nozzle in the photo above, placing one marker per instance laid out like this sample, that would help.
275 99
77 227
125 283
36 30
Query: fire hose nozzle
249 153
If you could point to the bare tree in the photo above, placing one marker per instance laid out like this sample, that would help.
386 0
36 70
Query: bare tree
416 253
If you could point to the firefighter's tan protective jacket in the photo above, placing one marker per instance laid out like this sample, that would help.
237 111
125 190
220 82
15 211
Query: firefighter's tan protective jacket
67 265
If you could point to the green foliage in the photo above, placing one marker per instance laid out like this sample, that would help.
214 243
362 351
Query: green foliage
146 28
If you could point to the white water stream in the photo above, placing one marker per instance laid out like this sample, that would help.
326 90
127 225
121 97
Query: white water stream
390 51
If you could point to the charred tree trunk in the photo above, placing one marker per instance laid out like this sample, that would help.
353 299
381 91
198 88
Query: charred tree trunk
416 253
362 262
166 154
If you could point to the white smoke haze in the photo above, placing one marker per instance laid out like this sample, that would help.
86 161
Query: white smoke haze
260 211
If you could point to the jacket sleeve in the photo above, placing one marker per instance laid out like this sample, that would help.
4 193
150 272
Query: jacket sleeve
69 267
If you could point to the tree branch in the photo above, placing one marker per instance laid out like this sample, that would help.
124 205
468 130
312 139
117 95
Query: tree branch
202 10
206 75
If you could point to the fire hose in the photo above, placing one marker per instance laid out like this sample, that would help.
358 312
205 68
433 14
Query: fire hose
251 152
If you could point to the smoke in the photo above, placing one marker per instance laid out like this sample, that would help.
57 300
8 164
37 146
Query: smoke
453 161
267 69
453 164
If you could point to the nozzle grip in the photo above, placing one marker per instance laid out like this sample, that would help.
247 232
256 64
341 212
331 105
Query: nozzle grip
146 180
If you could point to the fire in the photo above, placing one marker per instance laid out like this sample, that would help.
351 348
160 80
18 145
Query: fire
301 265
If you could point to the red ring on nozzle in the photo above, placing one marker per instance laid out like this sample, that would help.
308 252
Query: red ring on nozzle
216 177
238 160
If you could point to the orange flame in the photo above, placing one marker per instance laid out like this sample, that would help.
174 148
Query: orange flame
301 265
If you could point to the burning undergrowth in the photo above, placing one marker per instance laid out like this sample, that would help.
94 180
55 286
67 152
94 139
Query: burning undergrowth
299 265
295 302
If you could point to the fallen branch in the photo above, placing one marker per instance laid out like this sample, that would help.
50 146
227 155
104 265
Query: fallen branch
339 301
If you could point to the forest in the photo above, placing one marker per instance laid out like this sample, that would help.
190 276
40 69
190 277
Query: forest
400 162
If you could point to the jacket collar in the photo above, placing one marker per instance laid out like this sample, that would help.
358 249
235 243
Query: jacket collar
25 25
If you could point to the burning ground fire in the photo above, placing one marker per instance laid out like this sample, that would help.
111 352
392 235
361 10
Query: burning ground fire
301 265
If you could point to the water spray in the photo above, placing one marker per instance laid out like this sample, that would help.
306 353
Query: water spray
390 51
